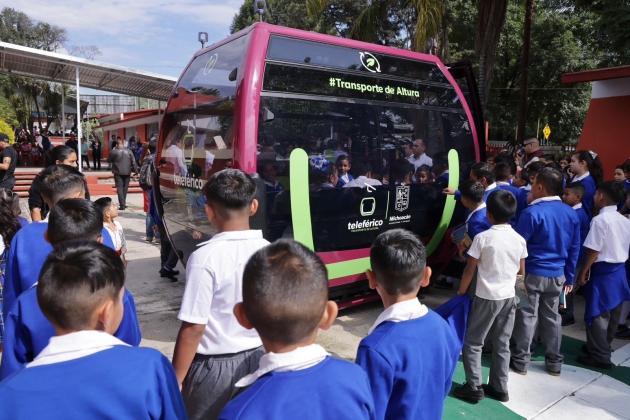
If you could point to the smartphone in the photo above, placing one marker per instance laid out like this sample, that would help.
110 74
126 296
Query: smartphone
521 152
563 298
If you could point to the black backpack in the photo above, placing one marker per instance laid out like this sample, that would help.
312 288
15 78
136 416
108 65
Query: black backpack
147 172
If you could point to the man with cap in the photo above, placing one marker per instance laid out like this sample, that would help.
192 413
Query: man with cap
8 162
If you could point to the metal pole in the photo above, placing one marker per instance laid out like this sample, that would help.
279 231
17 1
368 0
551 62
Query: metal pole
159 116
79 122
63 114
522 108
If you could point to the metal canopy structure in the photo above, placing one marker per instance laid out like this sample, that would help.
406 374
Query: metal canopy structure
61 68
68 70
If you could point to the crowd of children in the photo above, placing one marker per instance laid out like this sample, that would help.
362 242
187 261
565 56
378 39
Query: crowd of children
251 310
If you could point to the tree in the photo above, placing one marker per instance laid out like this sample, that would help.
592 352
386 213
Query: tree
85 51
17 28
335 19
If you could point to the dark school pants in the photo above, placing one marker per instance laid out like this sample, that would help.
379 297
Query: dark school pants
567 311
495 319
122 186
543 294
210 382
96 157
168 257
600 334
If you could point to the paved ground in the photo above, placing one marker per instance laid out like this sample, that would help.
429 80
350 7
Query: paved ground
578 392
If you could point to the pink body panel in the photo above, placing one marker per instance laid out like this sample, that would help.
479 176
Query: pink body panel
249 87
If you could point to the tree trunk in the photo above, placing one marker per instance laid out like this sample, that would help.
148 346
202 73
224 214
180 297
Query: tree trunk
522 107
482 80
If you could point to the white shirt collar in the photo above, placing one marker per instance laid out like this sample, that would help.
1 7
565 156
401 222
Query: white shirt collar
74 346
482 206
46 219
528 187
298 359
491 186
234 235
501 183
401 311
581 177
608 209
274 185
550 198
577 206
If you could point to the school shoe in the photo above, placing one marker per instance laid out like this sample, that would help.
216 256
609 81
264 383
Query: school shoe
494 394
584 349
589 361
623 335
122 207
516 370
157 241
467 392
553 372
568 321
443 284
148 239
170 274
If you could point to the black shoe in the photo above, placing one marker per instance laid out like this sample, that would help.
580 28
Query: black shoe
623 335
568 321
443 284
122 207
467 392
494 394
553 372
165 272
589 361
168 270
622 328
584 349
516 370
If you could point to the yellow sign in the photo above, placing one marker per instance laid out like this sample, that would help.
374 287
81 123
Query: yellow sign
547 131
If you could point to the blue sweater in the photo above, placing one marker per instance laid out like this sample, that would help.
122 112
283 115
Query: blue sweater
410 365
552 232
478 223
589 195
119 383
585 225
27 331
26 258
332 389
521 201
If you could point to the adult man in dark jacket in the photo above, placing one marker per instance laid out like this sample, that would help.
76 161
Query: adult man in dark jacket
8 162
96 152
123 161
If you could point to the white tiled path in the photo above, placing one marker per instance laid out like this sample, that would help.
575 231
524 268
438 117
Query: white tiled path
577 394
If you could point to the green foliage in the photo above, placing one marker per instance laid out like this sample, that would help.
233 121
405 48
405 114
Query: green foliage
335 19
6 129
17 28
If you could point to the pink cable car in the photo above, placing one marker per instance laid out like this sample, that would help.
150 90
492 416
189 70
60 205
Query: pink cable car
283 105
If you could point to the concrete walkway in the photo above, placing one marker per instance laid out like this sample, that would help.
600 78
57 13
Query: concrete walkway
578 393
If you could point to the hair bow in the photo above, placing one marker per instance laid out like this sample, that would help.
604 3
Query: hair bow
593 154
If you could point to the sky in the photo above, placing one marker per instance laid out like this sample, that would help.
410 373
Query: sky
157 36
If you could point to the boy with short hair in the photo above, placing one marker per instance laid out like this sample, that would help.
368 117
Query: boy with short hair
504 173
482 172
213 351
28 249
472 193
27 331
285 298
499 255
552 232
84 372
607 247
410 353
572 196
113 227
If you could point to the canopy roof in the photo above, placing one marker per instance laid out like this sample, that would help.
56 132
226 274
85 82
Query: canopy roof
61 68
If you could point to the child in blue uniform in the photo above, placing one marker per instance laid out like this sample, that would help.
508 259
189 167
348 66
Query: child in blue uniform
410 353
499 255
268 173
84 372
607 247
552 232
28 249
482 172
27 329
285 298
213 351
504 172
572 196
344 166
588 171
472 194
